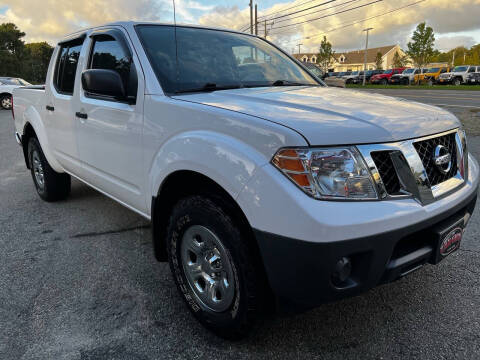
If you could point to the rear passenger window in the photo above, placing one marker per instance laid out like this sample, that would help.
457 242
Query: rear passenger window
64 79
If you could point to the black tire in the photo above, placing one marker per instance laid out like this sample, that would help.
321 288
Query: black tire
6 102
457 81
55 186
246 302
384 82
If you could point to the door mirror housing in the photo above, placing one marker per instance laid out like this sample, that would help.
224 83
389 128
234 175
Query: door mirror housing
103 82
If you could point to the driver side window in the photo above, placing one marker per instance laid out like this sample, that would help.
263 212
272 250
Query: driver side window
108 54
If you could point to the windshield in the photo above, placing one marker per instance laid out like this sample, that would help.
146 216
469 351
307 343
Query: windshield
192 59
388 71
433 70
460 69
408 71
354 73
315 71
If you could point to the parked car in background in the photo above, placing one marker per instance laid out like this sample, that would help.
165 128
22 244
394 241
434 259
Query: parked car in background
473 78
7 84
385 76
315 70
458 75
430 77
331 74
342 74
406 77
353 75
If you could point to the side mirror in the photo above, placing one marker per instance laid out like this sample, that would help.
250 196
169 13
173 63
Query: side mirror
103 82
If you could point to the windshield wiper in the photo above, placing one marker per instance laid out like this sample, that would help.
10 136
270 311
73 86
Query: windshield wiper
290 83
209 87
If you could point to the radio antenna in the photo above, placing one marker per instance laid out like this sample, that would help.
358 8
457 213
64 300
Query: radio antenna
176 43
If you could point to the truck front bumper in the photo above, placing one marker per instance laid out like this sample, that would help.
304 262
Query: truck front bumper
302 240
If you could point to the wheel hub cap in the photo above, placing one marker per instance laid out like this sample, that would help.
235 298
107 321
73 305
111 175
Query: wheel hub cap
208 268
38 170
6 102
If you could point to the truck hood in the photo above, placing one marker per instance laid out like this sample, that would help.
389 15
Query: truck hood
332 116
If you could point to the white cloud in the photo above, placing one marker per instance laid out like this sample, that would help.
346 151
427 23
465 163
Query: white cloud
51 20
445 43
444 16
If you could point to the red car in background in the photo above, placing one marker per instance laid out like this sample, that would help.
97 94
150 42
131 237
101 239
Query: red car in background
385 76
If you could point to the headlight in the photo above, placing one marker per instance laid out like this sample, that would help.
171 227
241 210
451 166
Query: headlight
327 173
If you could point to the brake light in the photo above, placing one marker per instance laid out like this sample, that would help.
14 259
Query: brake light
13 112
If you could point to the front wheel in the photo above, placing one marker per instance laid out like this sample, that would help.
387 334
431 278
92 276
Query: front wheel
50 185
384 82
6 102
213 267
457 82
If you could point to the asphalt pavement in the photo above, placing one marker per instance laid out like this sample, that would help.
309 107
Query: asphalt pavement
454 100
78 280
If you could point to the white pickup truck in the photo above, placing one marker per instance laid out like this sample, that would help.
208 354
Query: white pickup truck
265 188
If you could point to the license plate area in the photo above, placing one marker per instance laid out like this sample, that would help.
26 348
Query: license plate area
447 240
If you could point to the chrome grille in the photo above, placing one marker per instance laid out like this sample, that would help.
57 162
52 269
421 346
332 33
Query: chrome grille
386 170
407 169
426 149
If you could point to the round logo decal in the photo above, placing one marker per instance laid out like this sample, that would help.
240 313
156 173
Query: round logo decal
451 241
442 159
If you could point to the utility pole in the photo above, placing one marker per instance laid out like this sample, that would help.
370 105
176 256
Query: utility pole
453 58
365 58
256 21
299 48
251 17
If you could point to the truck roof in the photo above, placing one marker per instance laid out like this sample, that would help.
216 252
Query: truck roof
127 24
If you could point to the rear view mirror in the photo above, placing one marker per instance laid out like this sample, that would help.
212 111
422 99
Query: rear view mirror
103 82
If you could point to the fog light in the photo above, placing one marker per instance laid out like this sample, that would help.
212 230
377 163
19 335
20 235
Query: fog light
343 269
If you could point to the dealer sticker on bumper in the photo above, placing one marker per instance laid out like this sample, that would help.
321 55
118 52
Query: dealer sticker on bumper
451 241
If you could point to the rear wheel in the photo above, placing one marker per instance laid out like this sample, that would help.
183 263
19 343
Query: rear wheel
50 185
6 102
213 267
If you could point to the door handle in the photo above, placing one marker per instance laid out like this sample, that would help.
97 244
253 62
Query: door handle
81 115
50 108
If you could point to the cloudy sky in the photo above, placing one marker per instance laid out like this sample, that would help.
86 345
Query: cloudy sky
455 22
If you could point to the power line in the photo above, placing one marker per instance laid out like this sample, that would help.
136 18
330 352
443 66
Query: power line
245 27
324 16
299 11
357 22
316 11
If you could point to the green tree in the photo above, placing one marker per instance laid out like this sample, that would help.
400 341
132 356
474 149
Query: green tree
400 61
35 61
378 61
11 50
420 49
325 55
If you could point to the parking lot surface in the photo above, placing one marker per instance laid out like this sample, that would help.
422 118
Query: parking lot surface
453 100
78 281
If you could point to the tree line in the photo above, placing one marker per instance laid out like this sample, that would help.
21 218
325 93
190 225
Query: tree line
420 52
18 59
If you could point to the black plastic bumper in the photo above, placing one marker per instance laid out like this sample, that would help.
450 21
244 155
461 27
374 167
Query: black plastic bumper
300 272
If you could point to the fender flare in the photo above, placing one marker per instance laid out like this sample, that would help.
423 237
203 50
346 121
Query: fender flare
32 117
225 160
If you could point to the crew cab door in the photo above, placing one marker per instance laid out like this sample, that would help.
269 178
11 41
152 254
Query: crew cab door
110 130
59 94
